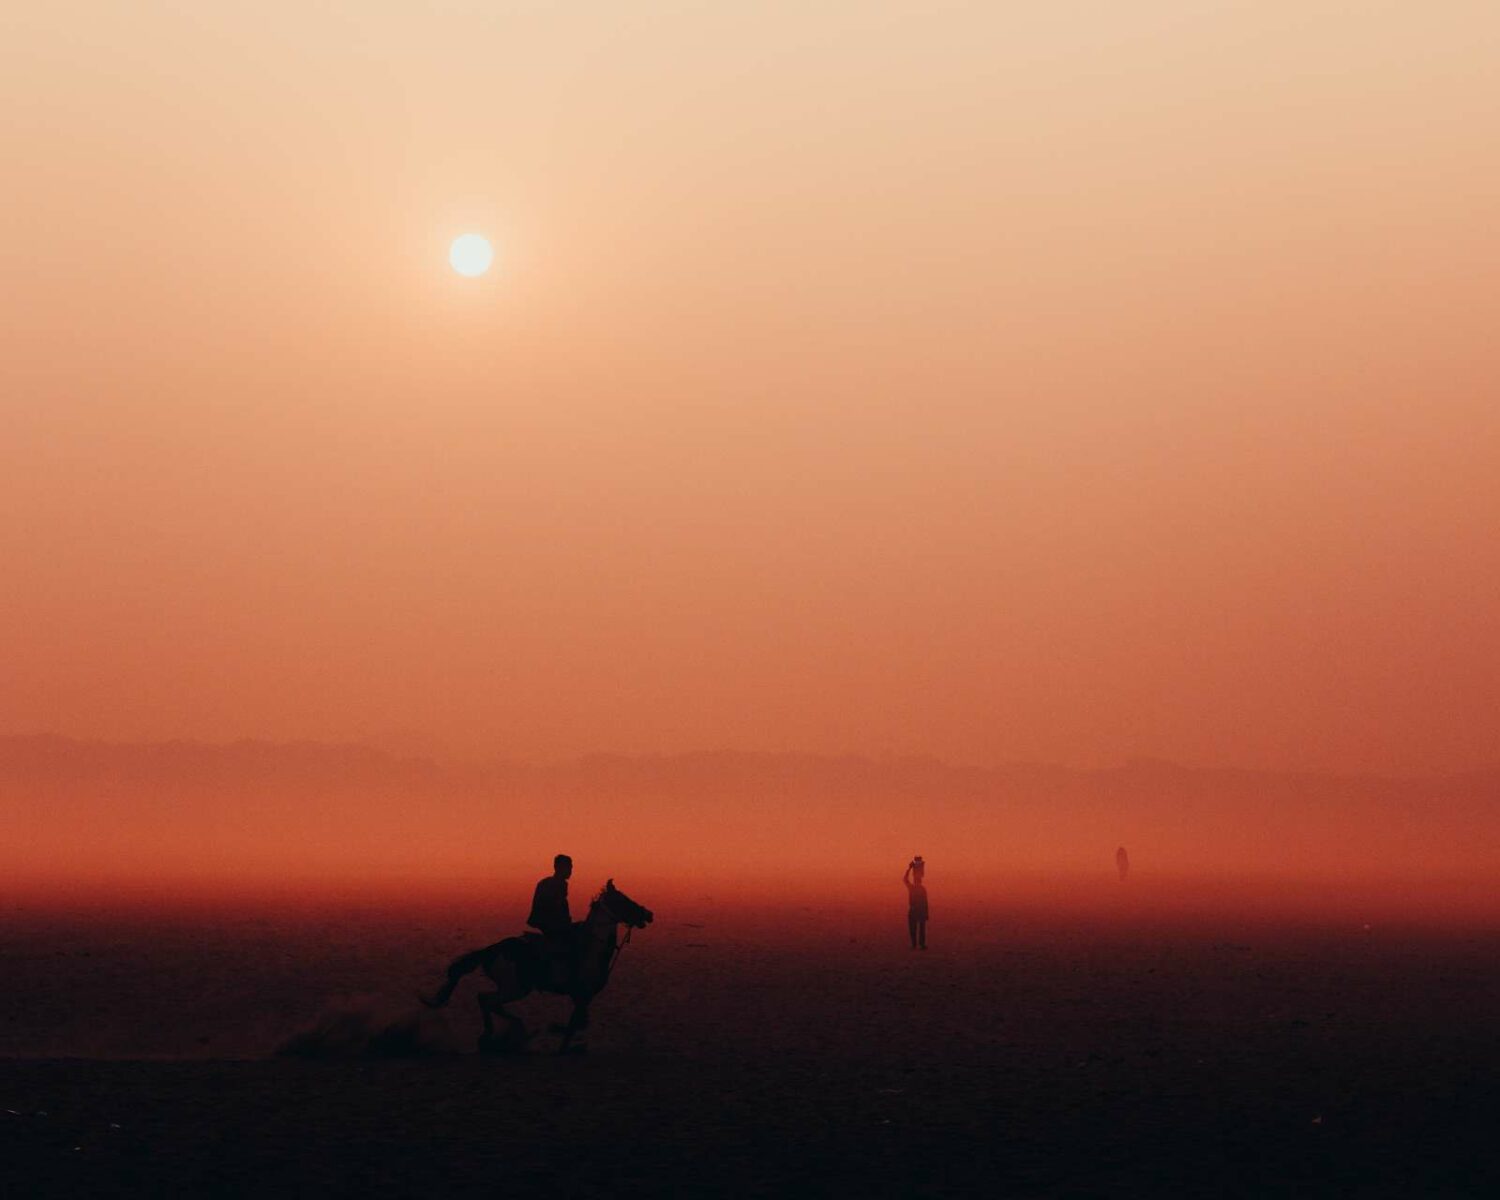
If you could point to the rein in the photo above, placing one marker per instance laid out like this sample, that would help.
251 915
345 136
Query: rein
620 945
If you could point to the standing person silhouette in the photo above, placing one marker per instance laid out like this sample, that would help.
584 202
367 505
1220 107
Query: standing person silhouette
916 902
1122 863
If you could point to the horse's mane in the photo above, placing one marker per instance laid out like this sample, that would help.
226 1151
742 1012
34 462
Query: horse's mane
601 894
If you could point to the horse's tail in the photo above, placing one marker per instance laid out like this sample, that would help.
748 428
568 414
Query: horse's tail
457 969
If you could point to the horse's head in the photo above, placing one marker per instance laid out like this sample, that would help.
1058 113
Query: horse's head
622 908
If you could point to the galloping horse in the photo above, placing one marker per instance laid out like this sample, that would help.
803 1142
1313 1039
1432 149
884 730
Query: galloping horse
518 966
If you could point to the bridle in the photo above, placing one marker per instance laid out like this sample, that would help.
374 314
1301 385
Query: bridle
623 942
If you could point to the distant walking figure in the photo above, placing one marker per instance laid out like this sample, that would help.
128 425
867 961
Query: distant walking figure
916 902
1122 863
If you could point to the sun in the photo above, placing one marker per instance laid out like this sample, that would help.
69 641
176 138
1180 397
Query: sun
471 255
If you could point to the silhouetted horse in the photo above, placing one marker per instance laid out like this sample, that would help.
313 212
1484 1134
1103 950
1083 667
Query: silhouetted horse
520 965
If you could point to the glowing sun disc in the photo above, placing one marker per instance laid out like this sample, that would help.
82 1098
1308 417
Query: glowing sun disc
471 255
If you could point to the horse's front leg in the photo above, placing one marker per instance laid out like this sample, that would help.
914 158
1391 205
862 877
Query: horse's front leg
576 1024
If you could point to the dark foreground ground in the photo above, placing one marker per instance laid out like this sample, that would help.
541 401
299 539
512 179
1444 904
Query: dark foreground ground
1020 1056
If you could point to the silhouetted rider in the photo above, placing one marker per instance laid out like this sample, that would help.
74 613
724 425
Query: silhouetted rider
550 915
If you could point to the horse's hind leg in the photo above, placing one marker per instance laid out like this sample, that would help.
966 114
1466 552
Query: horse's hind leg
514 1037
488 1003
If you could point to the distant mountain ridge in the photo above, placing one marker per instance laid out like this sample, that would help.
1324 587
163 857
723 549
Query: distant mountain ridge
36 756
84 809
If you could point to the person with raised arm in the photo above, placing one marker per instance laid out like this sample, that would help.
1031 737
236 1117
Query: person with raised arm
916 902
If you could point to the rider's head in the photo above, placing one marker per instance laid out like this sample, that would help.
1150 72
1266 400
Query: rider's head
562 865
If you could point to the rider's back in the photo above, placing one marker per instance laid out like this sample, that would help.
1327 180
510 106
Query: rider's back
549 907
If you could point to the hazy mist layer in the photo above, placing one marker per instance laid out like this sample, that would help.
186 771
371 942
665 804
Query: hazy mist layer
184 823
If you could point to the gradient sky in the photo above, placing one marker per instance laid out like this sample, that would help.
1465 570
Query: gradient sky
998 381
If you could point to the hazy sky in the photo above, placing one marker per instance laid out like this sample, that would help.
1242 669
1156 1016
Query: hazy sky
1062 381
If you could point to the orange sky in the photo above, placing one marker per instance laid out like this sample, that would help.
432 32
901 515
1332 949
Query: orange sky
997 381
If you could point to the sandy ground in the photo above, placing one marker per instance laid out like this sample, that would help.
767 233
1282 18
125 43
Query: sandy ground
748 1055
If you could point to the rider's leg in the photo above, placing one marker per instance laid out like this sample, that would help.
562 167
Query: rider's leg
559 954
922 933
911 928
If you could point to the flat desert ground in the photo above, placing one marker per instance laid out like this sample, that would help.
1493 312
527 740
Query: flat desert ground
1028 1052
